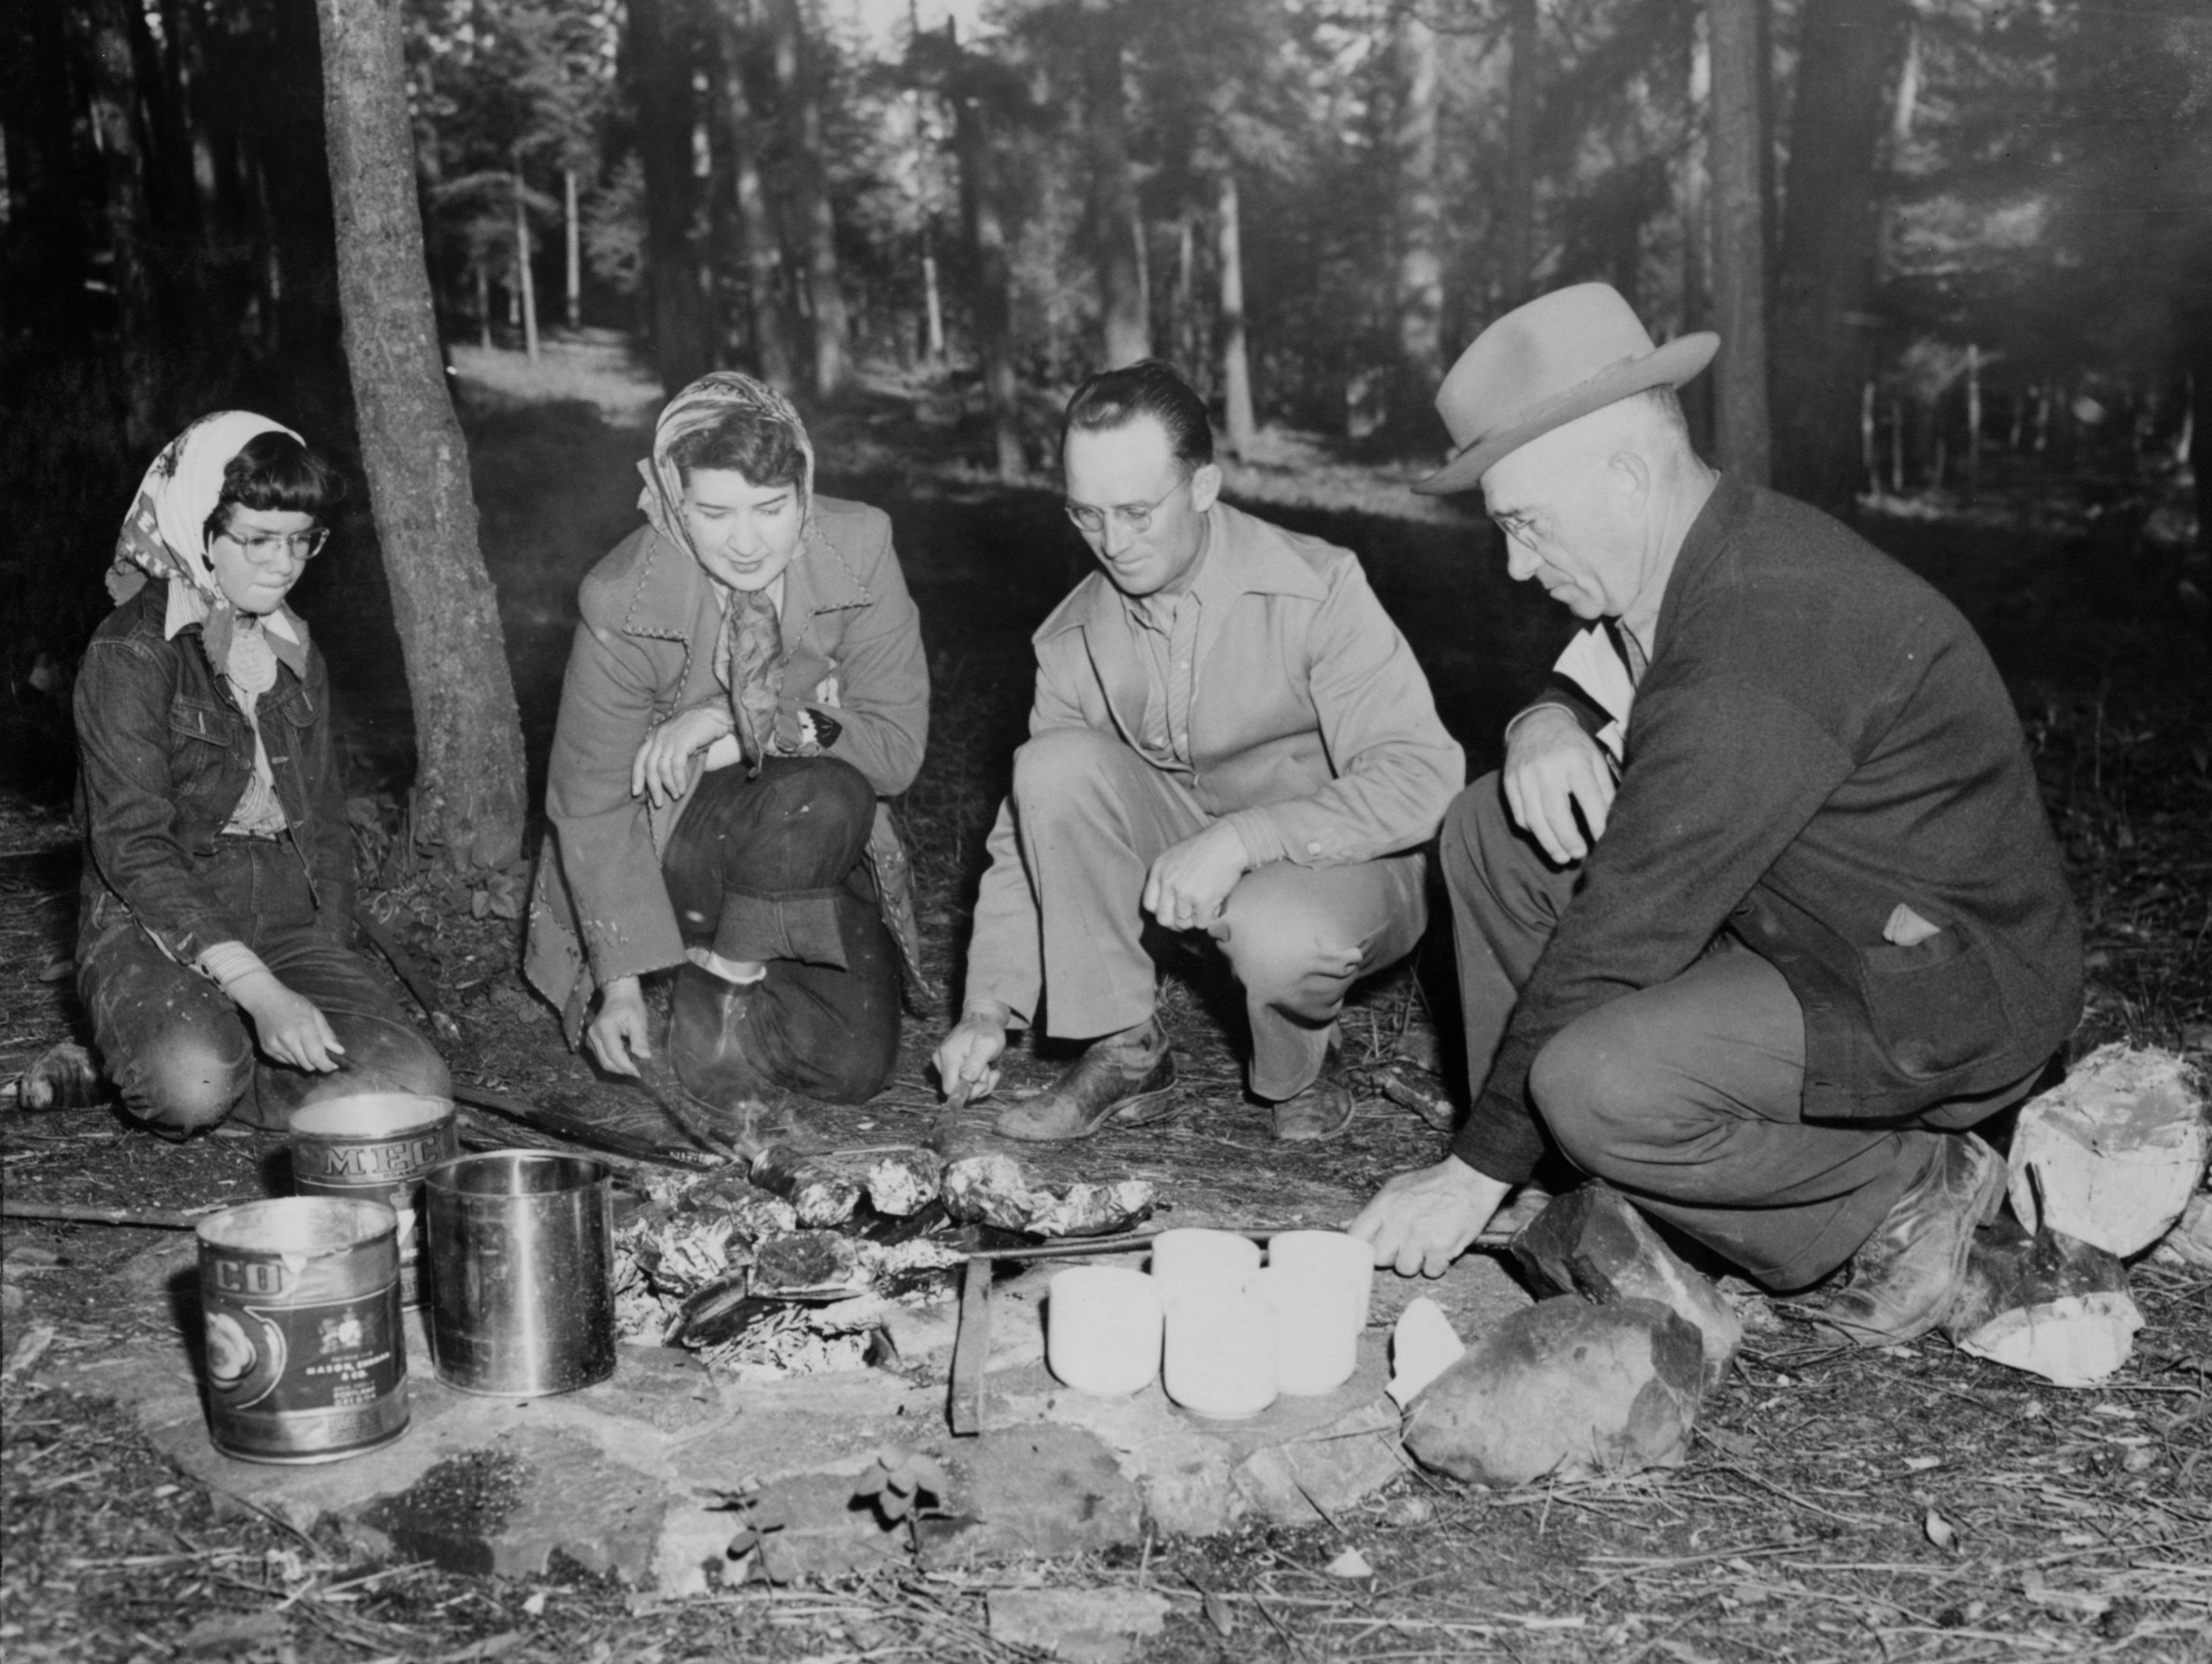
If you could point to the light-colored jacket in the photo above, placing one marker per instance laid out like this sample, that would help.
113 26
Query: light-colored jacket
1312 728
644 652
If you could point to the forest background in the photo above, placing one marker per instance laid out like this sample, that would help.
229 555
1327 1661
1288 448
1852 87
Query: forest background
1980 232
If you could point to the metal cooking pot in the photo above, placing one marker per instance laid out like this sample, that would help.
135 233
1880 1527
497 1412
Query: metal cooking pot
521 1272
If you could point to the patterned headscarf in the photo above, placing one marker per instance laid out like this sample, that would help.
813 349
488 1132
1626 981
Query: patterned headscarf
700 406
165 536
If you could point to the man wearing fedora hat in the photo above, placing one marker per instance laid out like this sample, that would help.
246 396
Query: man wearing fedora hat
1762 912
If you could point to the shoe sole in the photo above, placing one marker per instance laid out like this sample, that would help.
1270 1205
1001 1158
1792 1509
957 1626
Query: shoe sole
1145 1108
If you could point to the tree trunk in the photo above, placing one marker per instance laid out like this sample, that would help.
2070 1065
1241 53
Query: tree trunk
774 358
1739 141
43 257
799 98
1126 325
660 66
129 226
527 284
1182 327
1851 50
1419 287
469 779
1517 228
989 301
483 303
1697 227
933 302
574 237
1236 366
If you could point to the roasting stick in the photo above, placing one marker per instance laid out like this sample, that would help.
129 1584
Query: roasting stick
85 1214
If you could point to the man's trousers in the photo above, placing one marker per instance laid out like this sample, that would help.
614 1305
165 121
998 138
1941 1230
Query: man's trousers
1092 816
1687 1096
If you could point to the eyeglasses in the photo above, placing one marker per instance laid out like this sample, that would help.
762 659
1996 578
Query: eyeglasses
302 546
1137 517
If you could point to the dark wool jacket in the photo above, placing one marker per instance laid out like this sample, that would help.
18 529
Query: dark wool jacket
1820 737
165 755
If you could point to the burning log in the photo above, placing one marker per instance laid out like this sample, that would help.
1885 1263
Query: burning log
2051 1304
2119 1147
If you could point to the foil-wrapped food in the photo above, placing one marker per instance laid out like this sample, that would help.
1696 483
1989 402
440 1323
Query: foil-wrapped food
992 1189
902 1182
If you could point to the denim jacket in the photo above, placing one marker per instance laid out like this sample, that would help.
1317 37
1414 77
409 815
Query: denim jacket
164 757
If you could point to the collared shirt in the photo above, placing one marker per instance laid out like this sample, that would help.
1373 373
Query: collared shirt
1165 634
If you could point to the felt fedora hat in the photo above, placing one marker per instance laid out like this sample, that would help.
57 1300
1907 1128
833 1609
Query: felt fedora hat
1560 357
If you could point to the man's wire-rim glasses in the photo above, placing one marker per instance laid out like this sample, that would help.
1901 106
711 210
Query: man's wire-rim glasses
1137 518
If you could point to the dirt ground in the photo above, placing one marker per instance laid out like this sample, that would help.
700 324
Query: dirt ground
1909 1505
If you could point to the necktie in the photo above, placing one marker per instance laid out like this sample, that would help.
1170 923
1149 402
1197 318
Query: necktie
754 640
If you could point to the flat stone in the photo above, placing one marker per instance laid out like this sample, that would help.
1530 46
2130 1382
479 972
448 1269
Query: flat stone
664 1388
1592 1241
519 1507
1305 1481
1039 1490
1094 1626
1564 1389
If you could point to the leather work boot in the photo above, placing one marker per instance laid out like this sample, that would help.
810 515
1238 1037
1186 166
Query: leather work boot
1904 1278
1320 1112
710 1039
1110 1082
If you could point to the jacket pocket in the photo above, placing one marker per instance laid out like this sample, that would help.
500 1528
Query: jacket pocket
1934 1005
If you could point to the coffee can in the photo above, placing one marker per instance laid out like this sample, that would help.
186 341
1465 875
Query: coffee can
305 1360
375 1147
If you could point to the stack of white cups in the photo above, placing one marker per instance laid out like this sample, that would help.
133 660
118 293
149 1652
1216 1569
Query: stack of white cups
1233 1334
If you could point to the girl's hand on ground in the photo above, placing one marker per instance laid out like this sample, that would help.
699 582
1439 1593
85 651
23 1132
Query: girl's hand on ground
290 1028
664 766
617 1036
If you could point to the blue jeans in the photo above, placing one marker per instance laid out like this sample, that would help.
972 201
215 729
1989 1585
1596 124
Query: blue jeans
183 1054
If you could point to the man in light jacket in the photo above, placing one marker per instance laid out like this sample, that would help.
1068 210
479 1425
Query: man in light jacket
1231 741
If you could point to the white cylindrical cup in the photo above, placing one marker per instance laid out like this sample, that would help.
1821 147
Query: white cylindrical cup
1316 1342
1221 1355
1103 1326
1336 1253
1191 1258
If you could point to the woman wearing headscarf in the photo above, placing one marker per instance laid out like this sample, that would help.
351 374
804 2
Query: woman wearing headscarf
217 896
745 687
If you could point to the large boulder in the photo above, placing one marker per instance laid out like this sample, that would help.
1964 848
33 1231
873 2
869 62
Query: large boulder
1592 1242
1567 1388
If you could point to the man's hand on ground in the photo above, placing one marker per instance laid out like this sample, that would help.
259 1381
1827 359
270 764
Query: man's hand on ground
618 1034
290 1027
968 1052
1423 1220
1551 767
1189 881
663 767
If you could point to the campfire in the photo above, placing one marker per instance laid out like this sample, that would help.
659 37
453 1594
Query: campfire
793 1264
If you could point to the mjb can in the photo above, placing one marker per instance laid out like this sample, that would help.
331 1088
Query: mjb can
305 1358
375 1146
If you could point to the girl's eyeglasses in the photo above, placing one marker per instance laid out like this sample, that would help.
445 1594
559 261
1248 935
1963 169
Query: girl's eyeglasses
263 550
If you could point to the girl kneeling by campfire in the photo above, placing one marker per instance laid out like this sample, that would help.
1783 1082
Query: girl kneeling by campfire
746 686
217 897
